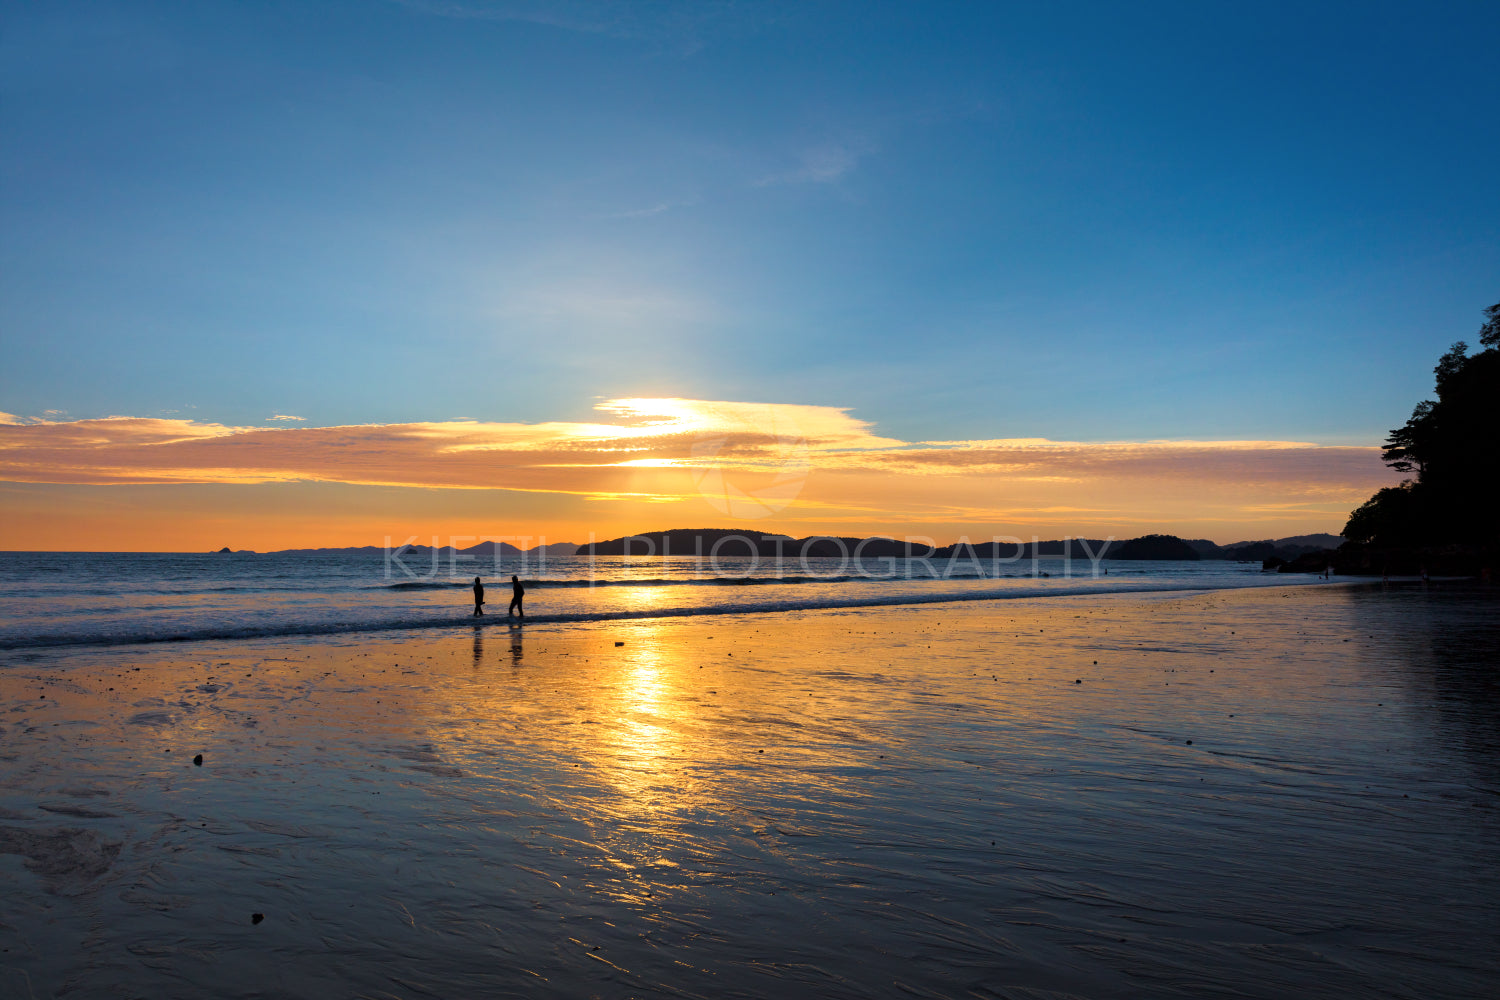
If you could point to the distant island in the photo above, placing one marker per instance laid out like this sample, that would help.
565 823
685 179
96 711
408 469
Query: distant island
732 542
739 542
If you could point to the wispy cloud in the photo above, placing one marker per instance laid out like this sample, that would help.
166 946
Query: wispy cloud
600 307
823 163
285 417
685 25
641 213
648 211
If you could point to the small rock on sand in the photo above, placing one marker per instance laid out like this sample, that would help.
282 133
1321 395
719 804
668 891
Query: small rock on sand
256 918
618 643
198 759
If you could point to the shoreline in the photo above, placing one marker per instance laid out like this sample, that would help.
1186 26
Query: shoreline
1057 588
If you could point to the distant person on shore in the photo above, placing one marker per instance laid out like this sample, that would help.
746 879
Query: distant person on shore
478 597
517 592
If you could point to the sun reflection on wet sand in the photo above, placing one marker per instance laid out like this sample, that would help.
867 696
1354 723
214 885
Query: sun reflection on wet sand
643 732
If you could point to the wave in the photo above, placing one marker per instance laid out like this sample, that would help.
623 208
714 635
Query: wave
312 629
429 585
707 581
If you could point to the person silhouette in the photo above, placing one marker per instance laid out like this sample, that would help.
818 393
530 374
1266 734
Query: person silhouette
478 597
517 592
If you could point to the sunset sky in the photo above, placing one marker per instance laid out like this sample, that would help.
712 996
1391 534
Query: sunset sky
290 274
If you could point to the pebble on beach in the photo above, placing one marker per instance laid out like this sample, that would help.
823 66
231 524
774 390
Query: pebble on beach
198 759
619 643
256 918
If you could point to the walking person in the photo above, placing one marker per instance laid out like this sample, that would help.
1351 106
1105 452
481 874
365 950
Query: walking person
478 597
517 592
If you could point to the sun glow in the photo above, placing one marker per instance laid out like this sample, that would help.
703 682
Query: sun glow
816 467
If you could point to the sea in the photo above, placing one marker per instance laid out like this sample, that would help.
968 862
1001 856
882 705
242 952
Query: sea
61 599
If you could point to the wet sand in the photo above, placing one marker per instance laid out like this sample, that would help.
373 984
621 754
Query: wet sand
1272 793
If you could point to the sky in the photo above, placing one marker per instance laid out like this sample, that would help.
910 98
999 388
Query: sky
285 274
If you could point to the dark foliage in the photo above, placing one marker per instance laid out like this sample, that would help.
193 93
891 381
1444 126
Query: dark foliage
1452 445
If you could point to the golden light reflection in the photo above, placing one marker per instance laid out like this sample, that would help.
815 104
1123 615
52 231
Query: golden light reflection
644 598
645 738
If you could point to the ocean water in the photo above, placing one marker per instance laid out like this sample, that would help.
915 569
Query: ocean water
52 599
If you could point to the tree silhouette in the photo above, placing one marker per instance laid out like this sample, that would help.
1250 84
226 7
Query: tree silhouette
1452 444
1489 334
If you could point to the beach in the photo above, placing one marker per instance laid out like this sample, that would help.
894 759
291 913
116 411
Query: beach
1288 790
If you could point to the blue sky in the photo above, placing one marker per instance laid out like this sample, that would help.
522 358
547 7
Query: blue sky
1075 221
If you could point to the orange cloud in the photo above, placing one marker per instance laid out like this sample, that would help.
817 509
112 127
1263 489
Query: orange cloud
811 465
654 433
